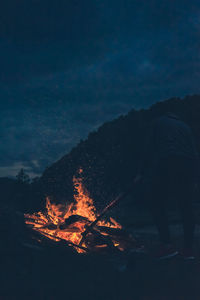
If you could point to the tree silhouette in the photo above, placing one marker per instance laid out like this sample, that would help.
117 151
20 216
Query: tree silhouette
23 177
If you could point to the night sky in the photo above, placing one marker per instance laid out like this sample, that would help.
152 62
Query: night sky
67 66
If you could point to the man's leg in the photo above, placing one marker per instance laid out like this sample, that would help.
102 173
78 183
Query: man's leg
187 213
159 213
184 189
158 195
158 200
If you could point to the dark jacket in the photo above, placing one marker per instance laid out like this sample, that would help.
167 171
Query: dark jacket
167 136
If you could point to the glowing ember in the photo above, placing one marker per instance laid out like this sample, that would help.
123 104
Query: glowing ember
67 222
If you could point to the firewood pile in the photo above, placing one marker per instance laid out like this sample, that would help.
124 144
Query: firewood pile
99 239
78 224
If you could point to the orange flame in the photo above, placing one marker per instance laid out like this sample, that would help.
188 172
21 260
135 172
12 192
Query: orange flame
49 223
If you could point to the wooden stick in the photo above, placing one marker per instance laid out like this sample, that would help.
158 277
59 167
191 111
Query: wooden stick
105 210
60 239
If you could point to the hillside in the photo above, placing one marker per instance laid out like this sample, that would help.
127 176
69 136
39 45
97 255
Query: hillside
110 155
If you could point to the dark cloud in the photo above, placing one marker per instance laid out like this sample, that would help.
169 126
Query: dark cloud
35 20
40 37
68 66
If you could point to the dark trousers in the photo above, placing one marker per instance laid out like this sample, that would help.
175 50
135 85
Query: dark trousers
173 178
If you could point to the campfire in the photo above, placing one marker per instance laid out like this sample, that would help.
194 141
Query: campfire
70 223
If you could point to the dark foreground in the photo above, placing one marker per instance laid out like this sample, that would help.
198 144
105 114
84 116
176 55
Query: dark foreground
59 277
54 272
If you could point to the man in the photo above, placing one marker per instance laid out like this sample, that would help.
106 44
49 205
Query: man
169 168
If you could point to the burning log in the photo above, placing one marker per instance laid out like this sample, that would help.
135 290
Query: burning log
50 226
95 239
111 231
47 239
73 219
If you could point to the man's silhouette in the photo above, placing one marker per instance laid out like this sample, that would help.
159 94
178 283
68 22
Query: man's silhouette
170 167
